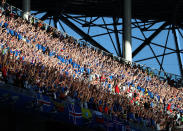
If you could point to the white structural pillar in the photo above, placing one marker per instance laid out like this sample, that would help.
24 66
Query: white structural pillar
26 9
127 46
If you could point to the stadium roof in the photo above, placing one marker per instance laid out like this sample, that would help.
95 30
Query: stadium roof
158 10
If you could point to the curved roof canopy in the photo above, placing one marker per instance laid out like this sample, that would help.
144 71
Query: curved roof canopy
158 10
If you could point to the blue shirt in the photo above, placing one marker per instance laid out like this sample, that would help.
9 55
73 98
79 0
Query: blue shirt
5 24
67 73
19 37
81 69
73 64
111 77
43 48
73 75
12 32
138 87
1 23
62 60
109 85
59 57
70 60
16 34
158 97
38 46
50 54
27 40
66 61
143 90
152 104
8 31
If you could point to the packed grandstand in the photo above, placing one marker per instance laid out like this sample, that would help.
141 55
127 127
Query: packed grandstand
41 59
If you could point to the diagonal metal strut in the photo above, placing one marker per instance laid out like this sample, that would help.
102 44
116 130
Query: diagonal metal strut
177 50
148 40
81 33
115 21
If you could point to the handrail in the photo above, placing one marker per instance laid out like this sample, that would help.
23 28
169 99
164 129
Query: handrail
159 73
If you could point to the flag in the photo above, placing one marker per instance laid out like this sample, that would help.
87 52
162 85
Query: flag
99 117
45 103
86 113
59 106
75 114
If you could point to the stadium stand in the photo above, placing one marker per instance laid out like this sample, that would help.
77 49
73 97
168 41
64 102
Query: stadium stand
40 59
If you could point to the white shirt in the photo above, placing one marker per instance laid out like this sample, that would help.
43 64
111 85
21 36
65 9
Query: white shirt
158 126
130 94
124 88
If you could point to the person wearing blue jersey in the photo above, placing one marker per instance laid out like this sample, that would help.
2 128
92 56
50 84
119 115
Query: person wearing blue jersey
5 24
19 37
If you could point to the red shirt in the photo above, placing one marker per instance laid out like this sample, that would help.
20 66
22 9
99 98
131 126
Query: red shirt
116 89
106 109
102 78
4 71
20 58
168 107
131 101
100 108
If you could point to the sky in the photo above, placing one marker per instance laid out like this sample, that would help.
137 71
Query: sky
170 61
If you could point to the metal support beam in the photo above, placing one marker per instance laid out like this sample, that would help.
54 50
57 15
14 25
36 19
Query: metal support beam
165 49
127 46
115 21
175 33
109 33
101 34
92 24
180 33
55 22
148 40
26 8
154 43
50 21
88 32
91 21
154 57
81 33
45 16
61 26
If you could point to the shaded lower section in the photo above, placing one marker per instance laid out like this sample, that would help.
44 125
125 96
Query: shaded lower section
10 119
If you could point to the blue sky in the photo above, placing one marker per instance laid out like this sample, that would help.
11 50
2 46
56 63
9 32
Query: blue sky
170 61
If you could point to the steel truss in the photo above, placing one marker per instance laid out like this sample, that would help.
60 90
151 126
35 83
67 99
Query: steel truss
113 29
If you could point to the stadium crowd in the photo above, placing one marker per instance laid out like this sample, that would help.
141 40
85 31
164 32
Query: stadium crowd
39 58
